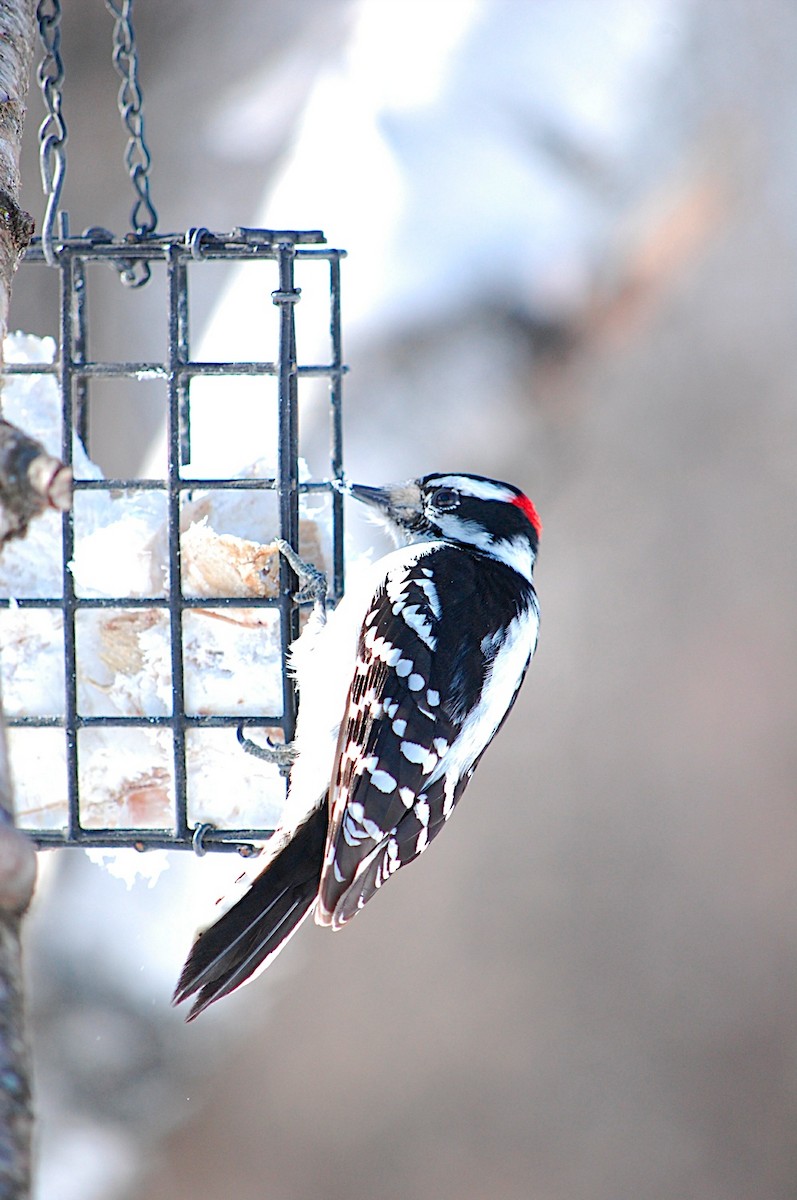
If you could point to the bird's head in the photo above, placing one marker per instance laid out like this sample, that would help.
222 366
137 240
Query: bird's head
489 516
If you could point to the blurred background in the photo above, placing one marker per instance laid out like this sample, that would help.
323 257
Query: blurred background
572 237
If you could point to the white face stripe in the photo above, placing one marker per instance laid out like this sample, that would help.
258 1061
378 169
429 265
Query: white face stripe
481 489
516 552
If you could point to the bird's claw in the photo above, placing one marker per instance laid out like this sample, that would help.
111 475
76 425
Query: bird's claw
280 754
312 579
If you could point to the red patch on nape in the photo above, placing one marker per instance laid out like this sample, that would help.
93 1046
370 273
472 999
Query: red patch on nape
525 506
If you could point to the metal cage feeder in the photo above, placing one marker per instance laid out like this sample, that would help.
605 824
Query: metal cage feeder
75 368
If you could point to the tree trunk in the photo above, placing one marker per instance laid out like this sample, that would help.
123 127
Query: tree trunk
30 479
26 482
17 877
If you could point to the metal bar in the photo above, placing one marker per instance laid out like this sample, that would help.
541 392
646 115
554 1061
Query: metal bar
206 483
53 368
183 380
288 472
191 720
336 427
142 371
175 598
159 485
256 235
208 602
153 370
103 247
80 331
67 550
241 840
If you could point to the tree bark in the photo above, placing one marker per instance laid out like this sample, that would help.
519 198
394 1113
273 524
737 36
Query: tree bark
30 479
27 479
17 878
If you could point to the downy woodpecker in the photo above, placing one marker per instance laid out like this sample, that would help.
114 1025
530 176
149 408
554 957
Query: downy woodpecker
401 690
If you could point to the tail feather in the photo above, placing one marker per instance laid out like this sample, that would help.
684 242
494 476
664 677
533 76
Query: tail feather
246 938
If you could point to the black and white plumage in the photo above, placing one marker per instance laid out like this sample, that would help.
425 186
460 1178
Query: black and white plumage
400 691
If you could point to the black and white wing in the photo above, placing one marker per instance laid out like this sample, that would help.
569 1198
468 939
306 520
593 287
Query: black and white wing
426 699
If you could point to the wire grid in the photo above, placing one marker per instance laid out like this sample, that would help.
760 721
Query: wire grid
74 371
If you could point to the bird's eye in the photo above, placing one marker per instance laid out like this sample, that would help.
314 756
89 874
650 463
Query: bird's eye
445 499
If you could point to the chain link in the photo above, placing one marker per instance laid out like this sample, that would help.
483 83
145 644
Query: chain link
143 218
52 132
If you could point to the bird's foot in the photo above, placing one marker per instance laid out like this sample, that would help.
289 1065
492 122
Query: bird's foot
281 754
313 580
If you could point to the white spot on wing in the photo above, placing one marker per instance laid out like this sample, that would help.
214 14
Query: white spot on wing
383 781
427 586
415 753
420 624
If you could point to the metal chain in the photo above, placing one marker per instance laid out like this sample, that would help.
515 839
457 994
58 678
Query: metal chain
143 217
53 132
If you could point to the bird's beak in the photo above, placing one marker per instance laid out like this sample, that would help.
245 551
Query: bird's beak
376 497
399 502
